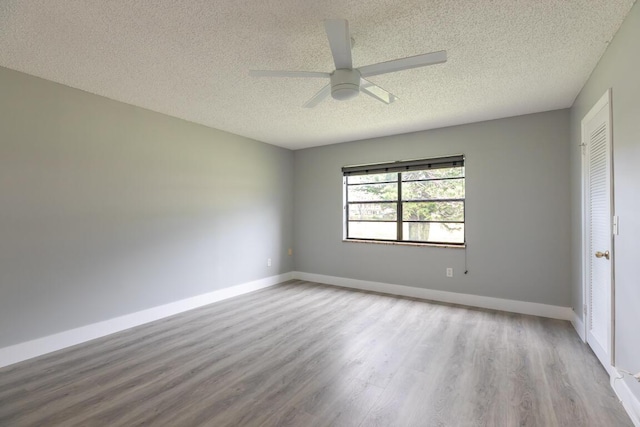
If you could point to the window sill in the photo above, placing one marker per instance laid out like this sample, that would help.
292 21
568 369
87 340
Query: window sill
381 242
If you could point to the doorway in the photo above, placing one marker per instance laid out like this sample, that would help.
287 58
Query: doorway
597 231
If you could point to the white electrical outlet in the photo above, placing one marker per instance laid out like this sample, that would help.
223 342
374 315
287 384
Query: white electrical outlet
268 262
449 272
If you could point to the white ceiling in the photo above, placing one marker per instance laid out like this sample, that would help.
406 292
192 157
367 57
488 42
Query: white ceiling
190 59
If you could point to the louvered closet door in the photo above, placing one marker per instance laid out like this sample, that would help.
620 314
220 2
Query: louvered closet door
597 134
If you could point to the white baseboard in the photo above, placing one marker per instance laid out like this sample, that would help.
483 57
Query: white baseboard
27 350
629 400
522 307
578 325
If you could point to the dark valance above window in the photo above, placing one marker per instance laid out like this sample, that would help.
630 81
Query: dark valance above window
405 165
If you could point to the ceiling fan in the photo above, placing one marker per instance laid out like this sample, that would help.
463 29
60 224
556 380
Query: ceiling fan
347 82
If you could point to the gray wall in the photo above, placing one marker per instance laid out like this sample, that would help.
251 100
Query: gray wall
618 69
107 209
518 211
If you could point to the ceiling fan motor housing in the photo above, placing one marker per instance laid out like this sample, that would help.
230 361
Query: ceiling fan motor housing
345 84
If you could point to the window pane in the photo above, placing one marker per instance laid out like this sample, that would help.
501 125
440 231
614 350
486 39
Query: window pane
434 173
376 177
373 211
433 211
373 230
372 192
428 190
433 232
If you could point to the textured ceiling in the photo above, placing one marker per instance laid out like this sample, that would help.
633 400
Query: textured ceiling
190 59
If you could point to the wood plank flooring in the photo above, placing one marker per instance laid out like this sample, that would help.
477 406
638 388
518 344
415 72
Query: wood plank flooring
305 354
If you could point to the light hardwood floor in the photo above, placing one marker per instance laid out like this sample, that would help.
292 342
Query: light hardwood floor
304 354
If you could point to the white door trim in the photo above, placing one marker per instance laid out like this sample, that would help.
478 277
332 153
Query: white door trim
602 102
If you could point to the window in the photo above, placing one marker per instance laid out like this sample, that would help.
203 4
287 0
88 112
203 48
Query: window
408 201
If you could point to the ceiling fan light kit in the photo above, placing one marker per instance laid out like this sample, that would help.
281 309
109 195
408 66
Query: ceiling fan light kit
346 82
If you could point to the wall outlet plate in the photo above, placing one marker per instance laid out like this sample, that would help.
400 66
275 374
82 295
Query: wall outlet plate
449 272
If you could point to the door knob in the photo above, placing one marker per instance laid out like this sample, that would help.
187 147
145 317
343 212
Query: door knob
604 254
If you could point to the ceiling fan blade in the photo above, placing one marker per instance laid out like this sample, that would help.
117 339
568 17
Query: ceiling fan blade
404 63
376 92
340 42
275 73
318 97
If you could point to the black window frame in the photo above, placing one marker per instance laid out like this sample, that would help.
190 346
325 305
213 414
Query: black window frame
399 167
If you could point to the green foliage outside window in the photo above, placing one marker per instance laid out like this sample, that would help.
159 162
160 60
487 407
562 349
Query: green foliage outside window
432 205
